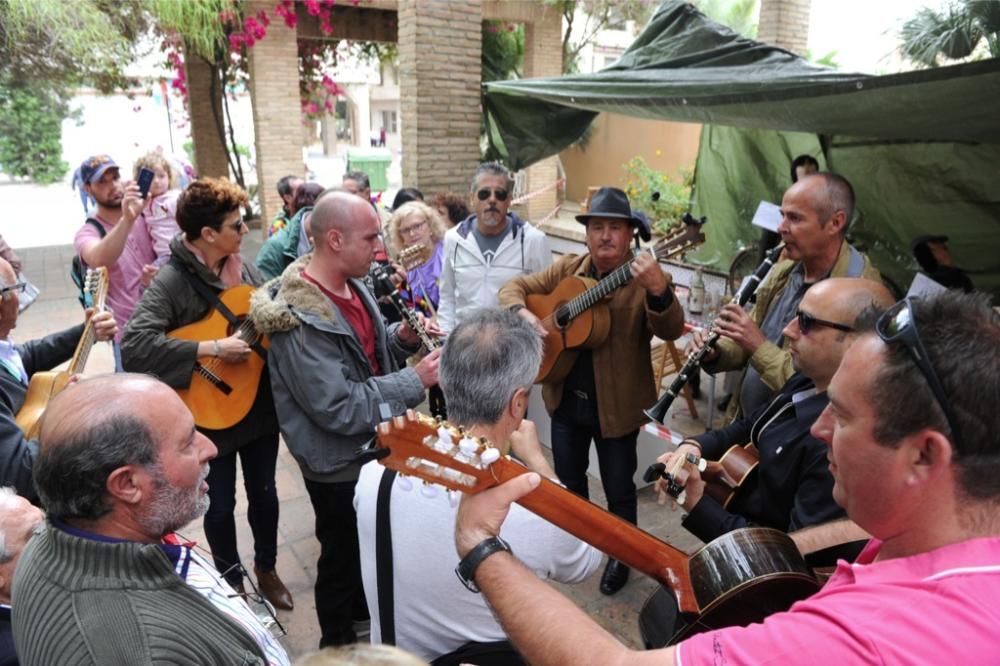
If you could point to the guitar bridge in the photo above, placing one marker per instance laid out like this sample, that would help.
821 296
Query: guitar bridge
213 379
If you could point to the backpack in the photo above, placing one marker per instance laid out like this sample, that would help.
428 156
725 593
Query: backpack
78 269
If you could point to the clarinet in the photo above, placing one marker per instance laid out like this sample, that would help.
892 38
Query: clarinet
658 412
384 287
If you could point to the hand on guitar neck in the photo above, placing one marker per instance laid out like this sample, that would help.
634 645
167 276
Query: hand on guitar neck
647 272
682 473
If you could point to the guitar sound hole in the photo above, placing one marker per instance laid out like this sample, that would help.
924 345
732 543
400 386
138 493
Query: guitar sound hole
562 317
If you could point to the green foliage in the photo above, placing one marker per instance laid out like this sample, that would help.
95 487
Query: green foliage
64 44
199 22
738 15
597 15
31 133
643 183
503 50
963 30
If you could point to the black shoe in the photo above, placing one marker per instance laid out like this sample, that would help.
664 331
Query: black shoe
614 578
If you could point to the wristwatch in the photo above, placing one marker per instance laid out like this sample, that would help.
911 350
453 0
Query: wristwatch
466 569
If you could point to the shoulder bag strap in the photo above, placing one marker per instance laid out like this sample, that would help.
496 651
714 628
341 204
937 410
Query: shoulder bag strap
213 299
383 559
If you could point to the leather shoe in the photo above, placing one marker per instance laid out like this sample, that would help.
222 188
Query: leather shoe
273 589
614 578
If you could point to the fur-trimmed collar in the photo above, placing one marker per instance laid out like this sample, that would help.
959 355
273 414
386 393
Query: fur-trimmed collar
273 307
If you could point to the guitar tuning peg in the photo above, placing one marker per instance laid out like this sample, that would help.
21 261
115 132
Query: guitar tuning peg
490 455
429 490
404 482
453 497
468 446
444 435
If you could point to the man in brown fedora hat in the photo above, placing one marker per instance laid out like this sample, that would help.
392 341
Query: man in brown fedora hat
589 404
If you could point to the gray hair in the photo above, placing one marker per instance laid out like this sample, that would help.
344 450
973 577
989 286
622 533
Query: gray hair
71 475
490 355
359 177
492 169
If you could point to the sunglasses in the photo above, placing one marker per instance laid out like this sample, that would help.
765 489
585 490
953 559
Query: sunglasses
898 324
484 194
807 323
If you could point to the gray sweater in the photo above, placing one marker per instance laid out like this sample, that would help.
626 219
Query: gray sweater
78 601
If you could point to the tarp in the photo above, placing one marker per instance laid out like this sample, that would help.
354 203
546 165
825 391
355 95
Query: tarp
921 147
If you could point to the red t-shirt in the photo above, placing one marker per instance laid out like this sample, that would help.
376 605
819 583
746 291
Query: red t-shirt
357 316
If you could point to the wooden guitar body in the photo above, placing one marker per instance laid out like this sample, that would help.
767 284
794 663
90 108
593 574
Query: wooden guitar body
221 394
724 478
43 387
588 330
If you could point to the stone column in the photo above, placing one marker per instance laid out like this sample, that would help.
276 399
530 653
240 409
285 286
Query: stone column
543 57
785 23
209 147
277 114
440 46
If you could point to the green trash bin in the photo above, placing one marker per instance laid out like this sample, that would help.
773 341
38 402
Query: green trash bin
373 163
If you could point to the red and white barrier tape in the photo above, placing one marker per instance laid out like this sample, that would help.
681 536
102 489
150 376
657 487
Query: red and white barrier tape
663 432
531 195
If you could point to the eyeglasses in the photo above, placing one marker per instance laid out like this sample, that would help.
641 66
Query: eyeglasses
257 603
807 323
18 288
897 324
413 229
484 194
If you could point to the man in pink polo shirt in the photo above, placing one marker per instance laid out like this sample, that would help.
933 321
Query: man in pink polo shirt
114 238
911 431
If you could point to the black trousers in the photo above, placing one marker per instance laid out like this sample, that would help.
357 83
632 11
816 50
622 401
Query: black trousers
258 459
340 598
574 425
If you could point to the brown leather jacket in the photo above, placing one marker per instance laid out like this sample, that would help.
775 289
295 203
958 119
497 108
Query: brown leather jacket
623 371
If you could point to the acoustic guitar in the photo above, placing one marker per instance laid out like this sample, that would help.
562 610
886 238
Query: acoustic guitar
45 385
221 394
575 315
737 579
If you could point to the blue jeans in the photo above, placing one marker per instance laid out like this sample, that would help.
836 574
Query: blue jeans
616 457
258 459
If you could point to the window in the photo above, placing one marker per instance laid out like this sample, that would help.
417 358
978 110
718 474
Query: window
389 121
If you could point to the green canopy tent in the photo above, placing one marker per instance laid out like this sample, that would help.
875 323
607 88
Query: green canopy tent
921 148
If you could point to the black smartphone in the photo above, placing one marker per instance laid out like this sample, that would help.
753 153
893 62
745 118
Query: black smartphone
145 180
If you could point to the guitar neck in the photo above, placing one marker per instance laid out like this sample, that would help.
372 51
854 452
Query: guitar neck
82 353
617 279
607 532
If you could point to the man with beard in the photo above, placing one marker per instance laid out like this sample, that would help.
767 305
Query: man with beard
115 237
106 580
489 248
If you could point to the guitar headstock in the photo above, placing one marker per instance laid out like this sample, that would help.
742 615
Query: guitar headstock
438 453
688 236
95 287
412 256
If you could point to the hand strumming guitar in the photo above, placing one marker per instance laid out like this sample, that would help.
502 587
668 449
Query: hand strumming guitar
233 349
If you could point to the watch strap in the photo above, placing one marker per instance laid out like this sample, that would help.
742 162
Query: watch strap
466 569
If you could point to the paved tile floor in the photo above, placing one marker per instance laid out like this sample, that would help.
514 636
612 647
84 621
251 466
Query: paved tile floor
298 551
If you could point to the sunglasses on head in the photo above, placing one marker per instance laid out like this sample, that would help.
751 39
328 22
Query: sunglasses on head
897 324
484 194
807 323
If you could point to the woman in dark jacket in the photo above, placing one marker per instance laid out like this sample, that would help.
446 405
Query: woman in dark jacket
207 251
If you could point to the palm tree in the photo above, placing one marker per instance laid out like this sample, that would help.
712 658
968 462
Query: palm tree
962 29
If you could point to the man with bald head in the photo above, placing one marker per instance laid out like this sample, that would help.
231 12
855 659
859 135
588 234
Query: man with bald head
792 486
815 214
107 580
335 372
20 362
18 520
